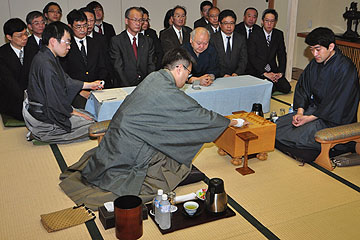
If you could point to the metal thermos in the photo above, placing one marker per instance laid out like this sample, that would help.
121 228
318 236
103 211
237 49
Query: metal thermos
257 109
216 197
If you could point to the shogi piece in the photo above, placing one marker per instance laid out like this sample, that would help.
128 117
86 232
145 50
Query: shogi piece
229 143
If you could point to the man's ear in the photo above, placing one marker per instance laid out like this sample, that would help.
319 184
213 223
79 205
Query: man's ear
29 27
8 37
331 46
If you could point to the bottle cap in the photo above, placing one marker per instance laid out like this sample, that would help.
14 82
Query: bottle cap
160 192
164 197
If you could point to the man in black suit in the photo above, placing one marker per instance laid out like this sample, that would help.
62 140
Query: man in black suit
204 9
85 61
132 53
101 27
147 31
36 24
178 34
230 46
265 48
15 62
213 16
248 25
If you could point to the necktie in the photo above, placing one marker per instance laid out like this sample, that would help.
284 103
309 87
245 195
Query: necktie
228 48
134 47
250 31
100 29
40 43
180 37
83 52
21 57
268 40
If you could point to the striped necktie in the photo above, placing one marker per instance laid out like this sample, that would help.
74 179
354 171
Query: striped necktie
21 56
268 40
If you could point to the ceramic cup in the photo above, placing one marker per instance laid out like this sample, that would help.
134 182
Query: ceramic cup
191 207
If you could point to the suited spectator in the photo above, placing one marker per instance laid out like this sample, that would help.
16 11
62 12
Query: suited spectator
52 12
177 35
85 61
248 25
15 62
146 30
213 16
230 46
132 53
204 9
267 53
167 21
205 68
36 24
101 27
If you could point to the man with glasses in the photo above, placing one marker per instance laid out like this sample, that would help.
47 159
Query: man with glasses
178 34
36 24
230 46
47 111
52 12
131 53
85 61
267 54
204 10
15 61
213 16
101 27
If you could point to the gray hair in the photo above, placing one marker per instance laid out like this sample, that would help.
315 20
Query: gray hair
127 12
200 30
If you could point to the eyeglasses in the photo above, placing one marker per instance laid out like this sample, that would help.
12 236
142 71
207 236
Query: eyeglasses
146 20
91 20
269 21
21 35
38 23
78 27
190 75
179 16
97 9
214 16
66 42
54 11
136 20
227 23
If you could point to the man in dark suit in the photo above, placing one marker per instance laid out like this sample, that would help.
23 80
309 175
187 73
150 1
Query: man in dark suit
132 53
177 35
204 9
248 25
36 24
213 16
230 46
15 61
85 61
101 27
147 31
265 48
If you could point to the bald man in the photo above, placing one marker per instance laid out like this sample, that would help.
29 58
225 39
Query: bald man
205 69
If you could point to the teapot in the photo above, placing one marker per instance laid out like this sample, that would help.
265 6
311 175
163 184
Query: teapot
216 197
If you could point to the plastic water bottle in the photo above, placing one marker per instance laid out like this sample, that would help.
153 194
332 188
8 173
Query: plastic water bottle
291 109
164 213
156 204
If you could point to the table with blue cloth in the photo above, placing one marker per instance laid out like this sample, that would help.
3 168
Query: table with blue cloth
224 96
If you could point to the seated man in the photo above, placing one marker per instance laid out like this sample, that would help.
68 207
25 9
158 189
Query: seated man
151 140
267 54
326 95
205 69
47 111
204 9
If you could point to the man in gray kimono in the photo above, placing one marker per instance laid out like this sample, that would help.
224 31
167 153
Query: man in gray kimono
151 141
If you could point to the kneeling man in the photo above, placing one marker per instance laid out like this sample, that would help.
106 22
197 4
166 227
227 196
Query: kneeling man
47 110
151 141
326 95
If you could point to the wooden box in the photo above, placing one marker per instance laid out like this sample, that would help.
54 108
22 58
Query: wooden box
235 146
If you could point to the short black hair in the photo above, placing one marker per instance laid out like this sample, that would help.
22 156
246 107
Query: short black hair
144 11
205 3
34 14
94 4
175 57
251 8
46 8
76 15
322 36
86 9
272 11
178 6
55 30
167 17
127 12
227 13
13 25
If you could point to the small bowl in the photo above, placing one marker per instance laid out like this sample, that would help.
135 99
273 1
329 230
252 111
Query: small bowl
191 207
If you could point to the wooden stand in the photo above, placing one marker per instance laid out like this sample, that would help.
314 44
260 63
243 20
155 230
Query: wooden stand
246 137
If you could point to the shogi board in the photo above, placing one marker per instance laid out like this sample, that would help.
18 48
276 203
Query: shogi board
235 146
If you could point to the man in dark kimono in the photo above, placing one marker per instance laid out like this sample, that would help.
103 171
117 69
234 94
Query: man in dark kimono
326 95
47 110
151 141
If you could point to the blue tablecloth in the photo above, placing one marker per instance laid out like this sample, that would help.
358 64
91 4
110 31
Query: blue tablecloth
224 96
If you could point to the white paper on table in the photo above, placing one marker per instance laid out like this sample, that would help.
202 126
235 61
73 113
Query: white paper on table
110 94
184 198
